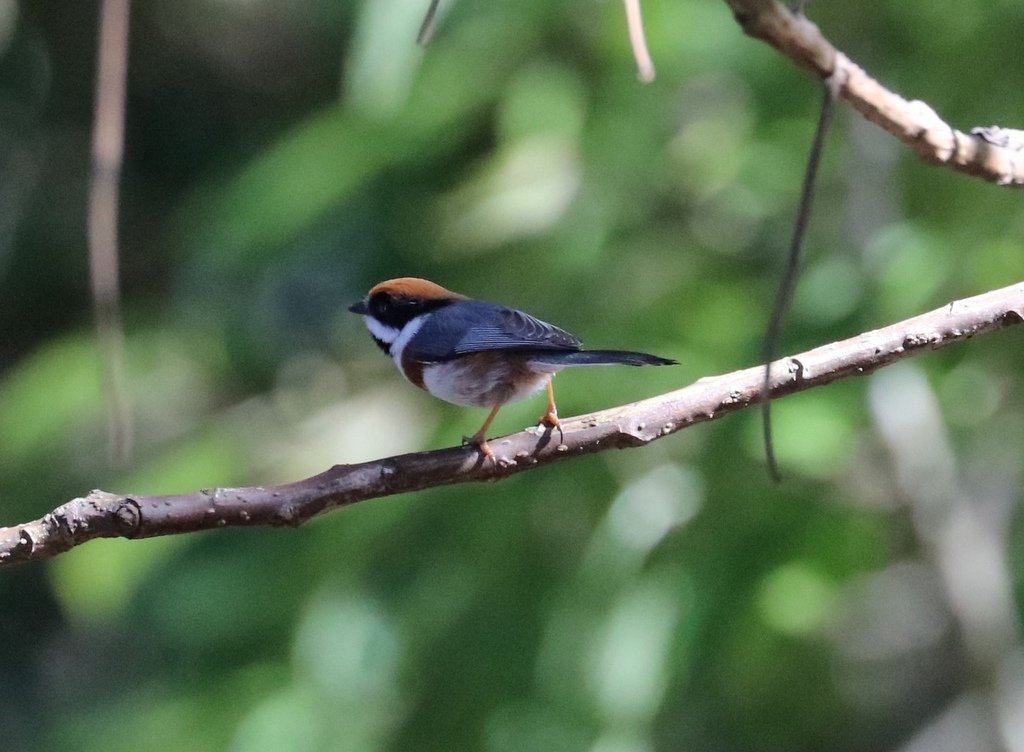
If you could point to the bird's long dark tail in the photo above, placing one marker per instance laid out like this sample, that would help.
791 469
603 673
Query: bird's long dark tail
601 358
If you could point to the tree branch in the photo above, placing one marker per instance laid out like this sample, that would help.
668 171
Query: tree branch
108 515
993 154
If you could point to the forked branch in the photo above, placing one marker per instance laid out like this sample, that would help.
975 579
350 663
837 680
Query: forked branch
107 515
993 154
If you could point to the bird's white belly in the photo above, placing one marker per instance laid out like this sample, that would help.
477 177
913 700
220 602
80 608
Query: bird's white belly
475 381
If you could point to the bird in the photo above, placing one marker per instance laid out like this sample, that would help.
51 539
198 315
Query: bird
475 353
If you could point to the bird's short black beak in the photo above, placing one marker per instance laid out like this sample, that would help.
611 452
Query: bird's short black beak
360 308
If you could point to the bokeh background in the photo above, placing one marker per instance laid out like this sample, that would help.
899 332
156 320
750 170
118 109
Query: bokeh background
281 157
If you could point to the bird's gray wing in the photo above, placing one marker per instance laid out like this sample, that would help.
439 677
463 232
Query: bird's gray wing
472 326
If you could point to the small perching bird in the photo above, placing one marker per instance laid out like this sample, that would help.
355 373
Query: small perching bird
474 353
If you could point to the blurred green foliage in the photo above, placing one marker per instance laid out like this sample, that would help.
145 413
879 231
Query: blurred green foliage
283 157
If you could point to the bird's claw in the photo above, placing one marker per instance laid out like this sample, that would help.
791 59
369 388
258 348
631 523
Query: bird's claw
481 444
550 419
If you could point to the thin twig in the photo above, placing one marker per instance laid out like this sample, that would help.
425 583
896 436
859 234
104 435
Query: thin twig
791 272
107 515
638 41
429 24
107 155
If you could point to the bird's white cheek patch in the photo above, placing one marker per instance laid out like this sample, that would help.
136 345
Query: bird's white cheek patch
383 332
401 338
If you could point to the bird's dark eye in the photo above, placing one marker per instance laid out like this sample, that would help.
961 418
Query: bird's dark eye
398 310
391 310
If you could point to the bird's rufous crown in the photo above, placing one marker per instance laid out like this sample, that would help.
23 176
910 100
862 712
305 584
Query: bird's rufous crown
414 287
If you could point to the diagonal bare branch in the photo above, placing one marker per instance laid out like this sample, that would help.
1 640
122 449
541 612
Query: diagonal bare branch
107 515
998 159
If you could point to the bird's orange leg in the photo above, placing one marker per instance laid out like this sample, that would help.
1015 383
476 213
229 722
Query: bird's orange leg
479 439
550 418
